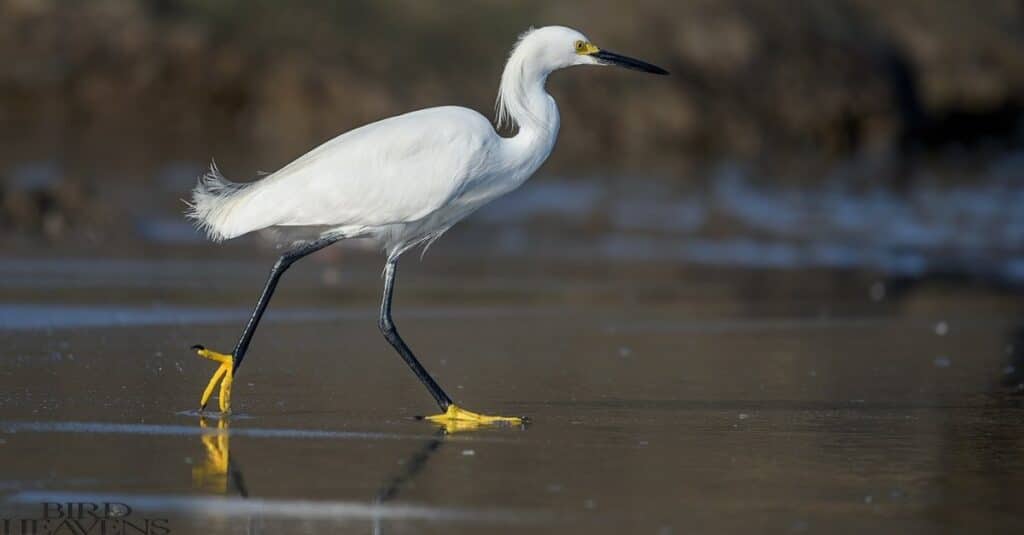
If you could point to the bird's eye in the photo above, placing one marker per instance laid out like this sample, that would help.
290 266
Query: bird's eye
580 46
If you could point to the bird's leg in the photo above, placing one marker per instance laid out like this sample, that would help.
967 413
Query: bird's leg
451 414
229 362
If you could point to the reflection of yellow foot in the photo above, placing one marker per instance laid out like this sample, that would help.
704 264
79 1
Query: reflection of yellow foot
212 474
224 375
457 419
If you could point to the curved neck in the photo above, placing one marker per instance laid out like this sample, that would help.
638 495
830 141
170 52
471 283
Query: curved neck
524 103
522 100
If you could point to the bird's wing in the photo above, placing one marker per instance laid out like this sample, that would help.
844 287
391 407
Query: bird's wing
396 170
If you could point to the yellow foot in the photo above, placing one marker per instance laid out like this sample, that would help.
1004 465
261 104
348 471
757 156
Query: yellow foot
224 375
458 419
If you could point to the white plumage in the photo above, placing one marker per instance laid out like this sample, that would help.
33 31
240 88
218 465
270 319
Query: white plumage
394 172
405 179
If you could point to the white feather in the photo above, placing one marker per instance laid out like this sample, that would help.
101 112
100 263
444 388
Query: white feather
212 201
407 179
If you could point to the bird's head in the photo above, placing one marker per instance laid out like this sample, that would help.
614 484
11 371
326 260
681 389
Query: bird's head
537 54
558 47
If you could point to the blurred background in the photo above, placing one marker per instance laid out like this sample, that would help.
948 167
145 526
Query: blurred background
884 135
778 290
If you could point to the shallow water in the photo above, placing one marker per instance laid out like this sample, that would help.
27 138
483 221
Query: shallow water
660 401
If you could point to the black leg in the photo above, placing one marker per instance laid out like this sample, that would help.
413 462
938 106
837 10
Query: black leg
230 363
387 326
282 265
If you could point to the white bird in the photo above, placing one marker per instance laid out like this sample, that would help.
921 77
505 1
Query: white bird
402 181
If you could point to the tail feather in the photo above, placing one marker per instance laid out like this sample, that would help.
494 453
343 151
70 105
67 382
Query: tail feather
213 200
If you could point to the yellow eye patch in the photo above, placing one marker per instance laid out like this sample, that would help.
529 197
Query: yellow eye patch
584 48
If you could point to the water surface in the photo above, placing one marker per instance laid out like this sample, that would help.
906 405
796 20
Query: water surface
661 401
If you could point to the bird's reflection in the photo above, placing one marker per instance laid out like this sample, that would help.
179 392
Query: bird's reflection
217 473
412 466
451 427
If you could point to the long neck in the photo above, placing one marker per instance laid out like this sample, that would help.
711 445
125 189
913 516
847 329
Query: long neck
523 103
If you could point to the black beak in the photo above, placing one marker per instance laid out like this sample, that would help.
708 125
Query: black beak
611 58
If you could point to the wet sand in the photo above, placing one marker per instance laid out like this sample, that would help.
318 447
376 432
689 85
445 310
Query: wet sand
662 400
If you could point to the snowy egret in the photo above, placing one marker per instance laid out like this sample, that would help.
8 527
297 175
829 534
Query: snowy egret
402 181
